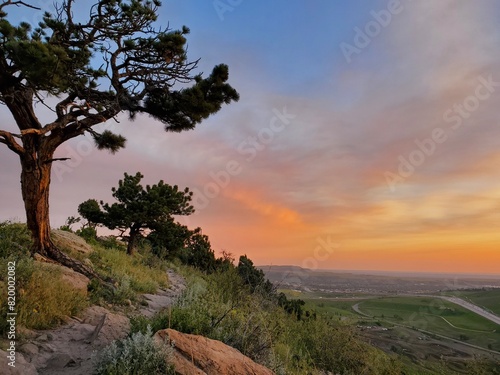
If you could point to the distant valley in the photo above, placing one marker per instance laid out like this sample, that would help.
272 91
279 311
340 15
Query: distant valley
356 282
435 323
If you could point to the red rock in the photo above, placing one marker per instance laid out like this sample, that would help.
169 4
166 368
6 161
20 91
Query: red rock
198 355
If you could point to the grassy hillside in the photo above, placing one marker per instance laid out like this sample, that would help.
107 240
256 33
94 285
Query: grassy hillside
487 298
44 299
420 353
221 306
228 302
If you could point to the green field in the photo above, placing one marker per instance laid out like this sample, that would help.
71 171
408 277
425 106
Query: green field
437 316
425 313
327 303
386 329
291 293
341 309
488 299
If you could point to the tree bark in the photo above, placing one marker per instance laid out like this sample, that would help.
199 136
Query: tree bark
35 183
131 240
36 156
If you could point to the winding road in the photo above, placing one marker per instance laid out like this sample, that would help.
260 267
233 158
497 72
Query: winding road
457 301
356 308
474 308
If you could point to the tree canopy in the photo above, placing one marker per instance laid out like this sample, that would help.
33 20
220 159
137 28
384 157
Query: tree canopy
254 277
138 208
93 64
115 61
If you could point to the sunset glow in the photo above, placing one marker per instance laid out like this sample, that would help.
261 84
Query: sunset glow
383 156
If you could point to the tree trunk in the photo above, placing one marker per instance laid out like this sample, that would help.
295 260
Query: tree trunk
131 240
35 183
36 162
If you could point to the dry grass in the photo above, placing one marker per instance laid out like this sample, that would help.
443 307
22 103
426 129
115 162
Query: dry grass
43 299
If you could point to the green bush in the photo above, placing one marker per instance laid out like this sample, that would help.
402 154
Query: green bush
111 243
123 291
15 240
89 234
253 277
135 355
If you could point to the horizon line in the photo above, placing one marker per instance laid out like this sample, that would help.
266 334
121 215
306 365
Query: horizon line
384 271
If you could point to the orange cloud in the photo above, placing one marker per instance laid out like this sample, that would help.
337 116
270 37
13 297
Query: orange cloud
257 203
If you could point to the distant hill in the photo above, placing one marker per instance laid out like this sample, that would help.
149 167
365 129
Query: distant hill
295 277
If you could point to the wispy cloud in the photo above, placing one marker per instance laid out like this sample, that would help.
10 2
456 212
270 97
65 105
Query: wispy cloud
324 172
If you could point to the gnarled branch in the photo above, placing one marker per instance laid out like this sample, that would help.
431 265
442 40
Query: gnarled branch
17 3
8 139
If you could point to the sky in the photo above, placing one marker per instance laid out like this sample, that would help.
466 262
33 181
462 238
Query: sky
367 136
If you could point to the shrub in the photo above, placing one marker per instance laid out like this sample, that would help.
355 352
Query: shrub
122 267
15 240
168 239
254 278
43 299
89 234
327 345
137 354
123 292
199 253
221 306
110 242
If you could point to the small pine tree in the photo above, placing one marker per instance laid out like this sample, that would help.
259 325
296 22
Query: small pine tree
254 277
138 208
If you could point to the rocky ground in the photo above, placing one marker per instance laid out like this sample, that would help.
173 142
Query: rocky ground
69 349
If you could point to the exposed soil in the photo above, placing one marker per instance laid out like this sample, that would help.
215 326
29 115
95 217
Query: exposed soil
69 349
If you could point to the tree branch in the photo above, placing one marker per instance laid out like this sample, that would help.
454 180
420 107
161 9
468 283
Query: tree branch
44 130
79 127
56 159
62 105
8 139
17 3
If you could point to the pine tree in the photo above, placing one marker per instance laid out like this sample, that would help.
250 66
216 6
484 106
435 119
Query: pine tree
138 208
114 61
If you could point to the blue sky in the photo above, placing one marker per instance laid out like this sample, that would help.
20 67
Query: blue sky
372 156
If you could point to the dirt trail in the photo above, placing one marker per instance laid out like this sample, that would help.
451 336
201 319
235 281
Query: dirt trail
68 349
